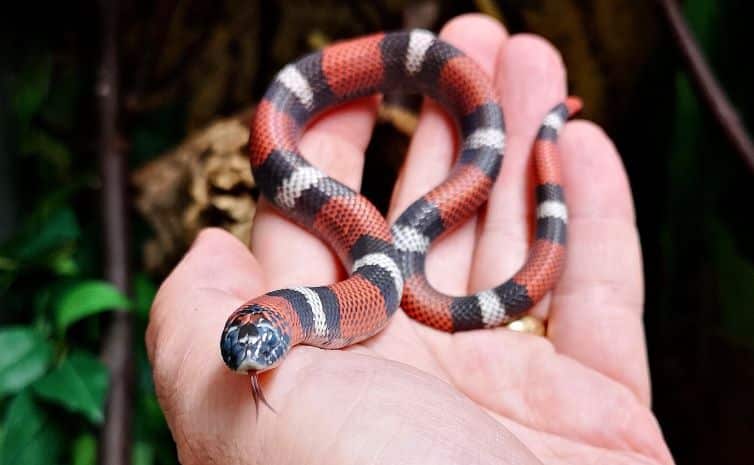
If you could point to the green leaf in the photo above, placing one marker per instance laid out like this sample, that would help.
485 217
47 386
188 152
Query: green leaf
143 453
79 384
85 298
41 144
7 264
42 235
29 438
64 263
61 107
29 89
84 450
24 357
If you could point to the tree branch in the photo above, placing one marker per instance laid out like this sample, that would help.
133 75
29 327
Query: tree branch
706 84
115 444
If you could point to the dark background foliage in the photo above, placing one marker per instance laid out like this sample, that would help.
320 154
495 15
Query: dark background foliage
184 63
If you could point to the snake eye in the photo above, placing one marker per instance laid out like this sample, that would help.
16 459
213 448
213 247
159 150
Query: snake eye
271 338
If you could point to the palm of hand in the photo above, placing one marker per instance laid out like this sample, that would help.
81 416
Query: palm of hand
413 394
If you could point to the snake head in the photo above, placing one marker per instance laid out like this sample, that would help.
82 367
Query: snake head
251 342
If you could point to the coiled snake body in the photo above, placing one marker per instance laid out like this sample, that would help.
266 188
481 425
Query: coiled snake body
387 263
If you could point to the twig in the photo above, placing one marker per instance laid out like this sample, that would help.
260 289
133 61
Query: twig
115 445
707 85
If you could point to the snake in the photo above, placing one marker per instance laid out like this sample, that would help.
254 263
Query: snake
387 262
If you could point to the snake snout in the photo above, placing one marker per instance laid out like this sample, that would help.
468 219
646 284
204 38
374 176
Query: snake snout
251 343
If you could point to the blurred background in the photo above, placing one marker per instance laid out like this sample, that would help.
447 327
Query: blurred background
122 130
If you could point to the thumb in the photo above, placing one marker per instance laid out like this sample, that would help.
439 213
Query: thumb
207 408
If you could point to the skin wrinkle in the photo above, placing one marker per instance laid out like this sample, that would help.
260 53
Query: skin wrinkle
185 411
164 386
263 443
362 396
395 434
351 411
187 445
641 416
307 376
637 388
261 440
422 333
546 443
453 451
385 445
627 407
540 353
596 294
530 398
410 345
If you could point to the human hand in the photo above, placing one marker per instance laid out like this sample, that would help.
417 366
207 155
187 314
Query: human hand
413 394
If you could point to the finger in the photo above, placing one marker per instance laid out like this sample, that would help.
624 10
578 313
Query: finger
197 393
188 314
531 80
335 143
596 314
433 148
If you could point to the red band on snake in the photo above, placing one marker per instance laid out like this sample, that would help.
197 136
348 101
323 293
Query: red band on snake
387 263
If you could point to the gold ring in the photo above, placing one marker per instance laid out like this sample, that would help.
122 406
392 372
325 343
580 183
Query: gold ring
528 324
